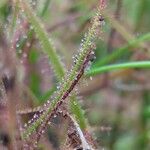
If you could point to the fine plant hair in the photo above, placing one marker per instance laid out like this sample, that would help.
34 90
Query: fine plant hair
39 123
48 48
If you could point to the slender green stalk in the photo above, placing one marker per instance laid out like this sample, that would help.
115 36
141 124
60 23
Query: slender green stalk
144 121
65 84
99 70
57 66
43 11
121 51
14 17
44 39
121 29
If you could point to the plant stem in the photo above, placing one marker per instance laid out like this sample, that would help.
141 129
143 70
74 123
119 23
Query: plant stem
43 11
55 61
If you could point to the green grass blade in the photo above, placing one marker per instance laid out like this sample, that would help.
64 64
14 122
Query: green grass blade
121 51
14 17
45 41
99 70
43 11
78 112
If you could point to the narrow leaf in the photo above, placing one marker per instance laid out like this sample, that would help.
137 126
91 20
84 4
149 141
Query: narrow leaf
99 70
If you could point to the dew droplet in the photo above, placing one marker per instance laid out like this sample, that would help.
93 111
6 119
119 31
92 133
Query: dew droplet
55 116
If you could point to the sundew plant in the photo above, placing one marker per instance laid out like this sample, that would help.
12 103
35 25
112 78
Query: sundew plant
74 75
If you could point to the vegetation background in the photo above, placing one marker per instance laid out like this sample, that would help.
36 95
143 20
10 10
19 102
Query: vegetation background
115 99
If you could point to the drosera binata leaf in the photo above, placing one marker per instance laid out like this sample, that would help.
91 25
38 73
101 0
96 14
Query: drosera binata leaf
67 84
54 59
